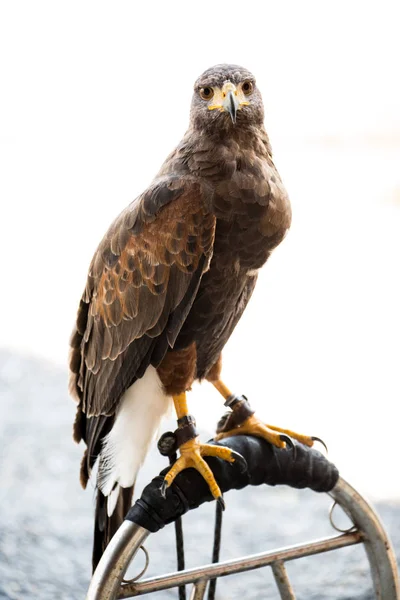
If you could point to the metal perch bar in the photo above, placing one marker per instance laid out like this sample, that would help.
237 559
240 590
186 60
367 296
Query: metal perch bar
381 557
239 565
106 582
282 581
199 589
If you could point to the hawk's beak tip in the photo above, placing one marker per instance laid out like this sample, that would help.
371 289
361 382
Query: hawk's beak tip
231 105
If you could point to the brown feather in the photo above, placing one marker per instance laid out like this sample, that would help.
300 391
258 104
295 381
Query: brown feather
133 289
105 526
175 271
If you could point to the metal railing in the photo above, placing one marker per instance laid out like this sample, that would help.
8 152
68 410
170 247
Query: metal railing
107 582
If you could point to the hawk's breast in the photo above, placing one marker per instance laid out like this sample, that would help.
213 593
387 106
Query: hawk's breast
253 215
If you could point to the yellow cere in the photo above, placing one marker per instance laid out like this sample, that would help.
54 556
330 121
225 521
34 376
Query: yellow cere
221 93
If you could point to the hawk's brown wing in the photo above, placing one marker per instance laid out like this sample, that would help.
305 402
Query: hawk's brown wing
142 282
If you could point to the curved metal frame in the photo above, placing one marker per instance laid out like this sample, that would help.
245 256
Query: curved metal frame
107 583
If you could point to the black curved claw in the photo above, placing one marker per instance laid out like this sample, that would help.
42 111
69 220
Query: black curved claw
288 440
317 439
163 489
240 461
221 502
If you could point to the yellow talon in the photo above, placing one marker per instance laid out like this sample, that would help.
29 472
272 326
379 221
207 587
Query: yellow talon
253 426
303 439
191 457
270 433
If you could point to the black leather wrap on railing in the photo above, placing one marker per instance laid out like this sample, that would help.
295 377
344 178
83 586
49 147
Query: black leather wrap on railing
303 468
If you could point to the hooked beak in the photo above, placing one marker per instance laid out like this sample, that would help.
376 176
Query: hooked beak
231 101
228 99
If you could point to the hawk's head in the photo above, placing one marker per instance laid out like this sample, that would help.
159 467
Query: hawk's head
226 96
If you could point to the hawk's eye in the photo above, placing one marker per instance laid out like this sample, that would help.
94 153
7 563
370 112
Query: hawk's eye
247 87
206 93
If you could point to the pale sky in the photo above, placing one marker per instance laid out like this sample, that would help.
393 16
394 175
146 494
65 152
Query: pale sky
94 95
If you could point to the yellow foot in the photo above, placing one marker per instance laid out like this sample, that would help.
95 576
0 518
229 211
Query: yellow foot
192 453
275 435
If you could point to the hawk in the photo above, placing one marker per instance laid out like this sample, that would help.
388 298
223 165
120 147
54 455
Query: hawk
165 290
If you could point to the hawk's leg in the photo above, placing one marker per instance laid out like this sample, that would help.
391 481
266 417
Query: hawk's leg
242 421
192 451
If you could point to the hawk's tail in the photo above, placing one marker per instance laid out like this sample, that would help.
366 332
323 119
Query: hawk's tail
105 526
122 450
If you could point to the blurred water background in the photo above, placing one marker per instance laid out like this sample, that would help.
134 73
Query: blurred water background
94 96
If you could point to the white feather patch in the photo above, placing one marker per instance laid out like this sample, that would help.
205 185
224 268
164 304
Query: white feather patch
142 407
112 500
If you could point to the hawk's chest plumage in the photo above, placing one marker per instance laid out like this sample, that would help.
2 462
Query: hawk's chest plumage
248 198
253 214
